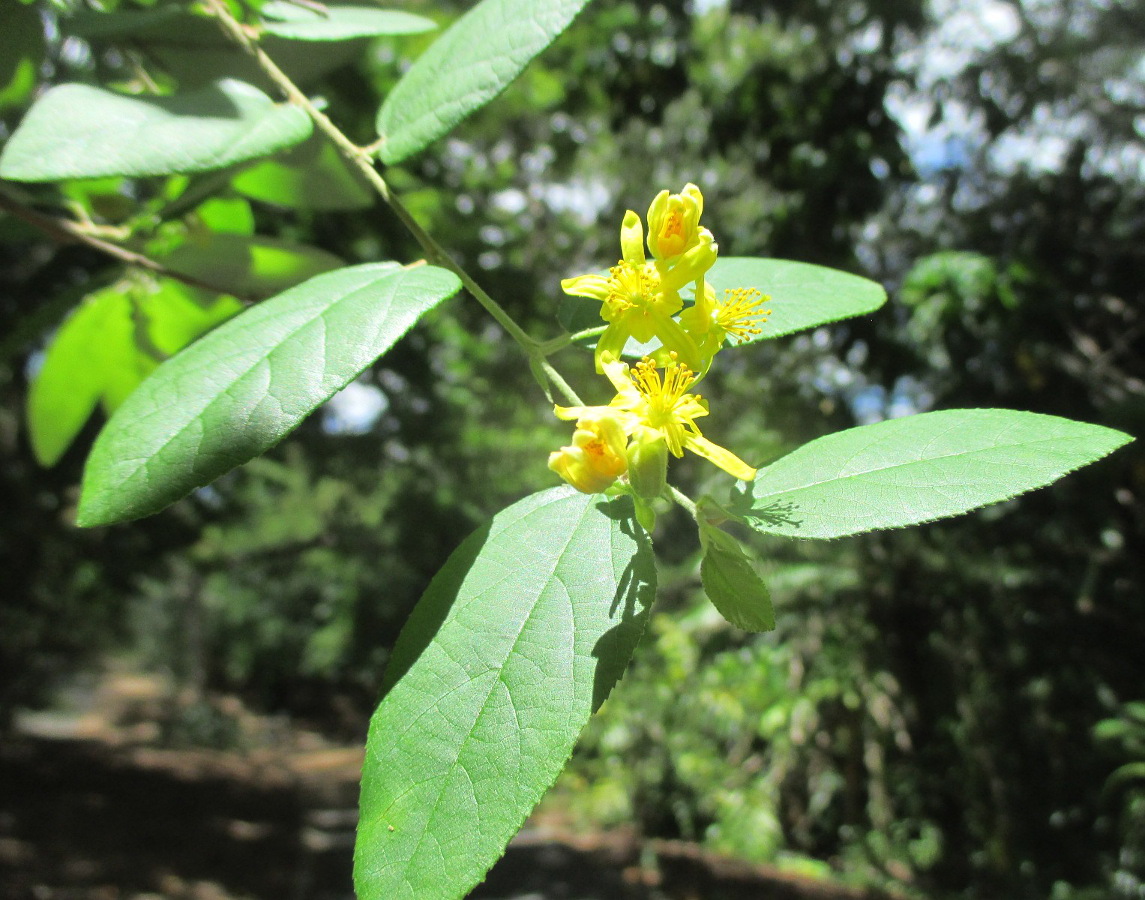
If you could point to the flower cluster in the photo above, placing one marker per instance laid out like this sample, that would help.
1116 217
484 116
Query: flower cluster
653 413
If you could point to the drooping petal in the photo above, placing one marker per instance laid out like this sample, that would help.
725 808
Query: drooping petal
568 413
611 343
594 286
723 458
616 371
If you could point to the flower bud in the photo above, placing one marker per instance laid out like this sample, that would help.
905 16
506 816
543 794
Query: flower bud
648 462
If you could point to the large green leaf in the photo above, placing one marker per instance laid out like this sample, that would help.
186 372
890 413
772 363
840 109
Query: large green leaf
241 389
338 22
469 65
731 582
518 639
905 471
802 295
82 131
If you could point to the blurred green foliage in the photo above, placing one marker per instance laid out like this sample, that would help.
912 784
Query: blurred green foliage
943 709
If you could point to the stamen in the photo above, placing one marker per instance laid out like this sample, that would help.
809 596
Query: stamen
742 314
675 383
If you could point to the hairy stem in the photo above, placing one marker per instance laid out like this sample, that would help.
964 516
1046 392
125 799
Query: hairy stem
683 500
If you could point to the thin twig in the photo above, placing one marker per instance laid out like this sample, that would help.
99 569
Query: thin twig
65 231
361 159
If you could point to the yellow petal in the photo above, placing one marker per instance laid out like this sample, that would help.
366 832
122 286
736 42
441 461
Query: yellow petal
673 337
567 413
693 193
632 239
594 286
725 459
693 264
616 372
574 466
611 345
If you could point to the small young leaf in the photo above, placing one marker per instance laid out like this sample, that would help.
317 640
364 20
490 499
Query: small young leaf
21 53
519 638
802 295
70 382
248 265
911 470
245 386
105 348
82 131
339 23
731 582
231 215
469 65
311 176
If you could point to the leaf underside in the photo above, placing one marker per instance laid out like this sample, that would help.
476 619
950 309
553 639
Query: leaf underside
465 68
237 392
82 131
518 639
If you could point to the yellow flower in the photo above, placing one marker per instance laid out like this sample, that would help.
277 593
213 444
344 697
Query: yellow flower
637 300
673 222
597 456
646 399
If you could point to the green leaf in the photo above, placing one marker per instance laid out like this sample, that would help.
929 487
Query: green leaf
70 382
21 53
311 176
230 214
247 265
519 638
93 25
916 469
82 131
177 314
106 347
193 50
339 23
250 382
802 295
469 65
731 582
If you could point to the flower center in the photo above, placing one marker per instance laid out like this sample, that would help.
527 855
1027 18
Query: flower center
631 286
662 396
